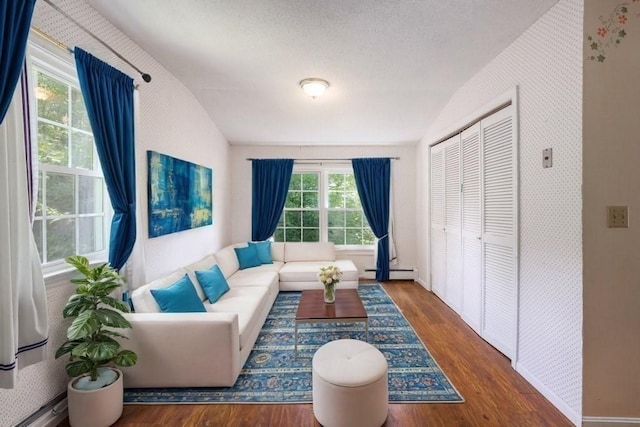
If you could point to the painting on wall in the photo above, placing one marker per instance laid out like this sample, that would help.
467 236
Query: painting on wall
179 194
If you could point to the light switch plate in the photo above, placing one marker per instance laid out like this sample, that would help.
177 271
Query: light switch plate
617 216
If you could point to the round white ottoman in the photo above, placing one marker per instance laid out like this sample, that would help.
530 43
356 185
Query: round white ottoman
350 385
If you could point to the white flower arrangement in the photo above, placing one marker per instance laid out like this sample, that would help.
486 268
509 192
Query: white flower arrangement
329 275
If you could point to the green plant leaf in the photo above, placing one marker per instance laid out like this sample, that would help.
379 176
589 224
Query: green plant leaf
111 318
80 263
115 303
84 325
125 358
77 304
113 334
66 347
78 367
102 351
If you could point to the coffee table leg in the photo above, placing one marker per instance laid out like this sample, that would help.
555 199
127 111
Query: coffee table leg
366 329
295 341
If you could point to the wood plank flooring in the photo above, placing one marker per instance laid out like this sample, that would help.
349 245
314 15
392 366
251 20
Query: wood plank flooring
495 395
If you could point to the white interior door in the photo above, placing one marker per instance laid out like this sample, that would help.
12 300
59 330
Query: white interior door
499 230
438 241
452 229
471 228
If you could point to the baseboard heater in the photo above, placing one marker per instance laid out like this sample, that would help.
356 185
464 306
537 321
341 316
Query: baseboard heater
50 414
394 273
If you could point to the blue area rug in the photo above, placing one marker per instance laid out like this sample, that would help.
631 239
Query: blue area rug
272 374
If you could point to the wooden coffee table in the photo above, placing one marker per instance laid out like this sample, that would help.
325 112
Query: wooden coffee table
347 308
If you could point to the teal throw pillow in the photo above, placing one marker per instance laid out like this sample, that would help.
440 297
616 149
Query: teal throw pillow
181 297
213 283
264 251
247 257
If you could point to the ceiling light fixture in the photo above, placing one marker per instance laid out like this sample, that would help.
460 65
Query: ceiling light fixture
314 87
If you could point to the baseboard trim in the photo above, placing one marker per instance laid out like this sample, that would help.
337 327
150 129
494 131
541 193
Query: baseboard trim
566 410
423 284
49 415
609 421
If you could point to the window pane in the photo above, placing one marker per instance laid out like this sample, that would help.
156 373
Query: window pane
351 200
350 182
281 221
293 235
82 150
353 219
336 235
354 236
38 211
61 237
79 117
37 234
294 200
336 181
311 219
52 99
90 195
293 219
60 194
310 181
52 145
309 200
311 235
90 234
336 200
368 238
279 235
295 183
336 219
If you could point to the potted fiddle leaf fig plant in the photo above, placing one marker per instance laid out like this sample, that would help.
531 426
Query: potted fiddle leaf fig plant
95 392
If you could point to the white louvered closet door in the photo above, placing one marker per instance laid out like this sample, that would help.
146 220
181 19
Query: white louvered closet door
471 229
453 293
438 241
499 231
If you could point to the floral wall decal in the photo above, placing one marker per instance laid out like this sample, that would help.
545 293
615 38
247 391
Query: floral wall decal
611 30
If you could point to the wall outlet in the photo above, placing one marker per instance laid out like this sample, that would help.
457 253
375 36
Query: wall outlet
617 216
547 157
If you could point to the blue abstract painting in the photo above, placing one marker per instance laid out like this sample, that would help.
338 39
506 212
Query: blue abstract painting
179 194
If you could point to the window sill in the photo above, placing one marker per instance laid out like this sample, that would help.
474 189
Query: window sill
62 276
355 250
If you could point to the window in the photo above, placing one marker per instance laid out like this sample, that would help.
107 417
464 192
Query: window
70 215
338 218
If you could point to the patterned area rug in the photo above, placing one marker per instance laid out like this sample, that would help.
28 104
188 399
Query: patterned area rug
272 374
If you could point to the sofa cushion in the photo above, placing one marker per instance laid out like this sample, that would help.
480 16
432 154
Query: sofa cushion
213 283
181 297
307 251
263 249
144 302
277 251
204 264
227 260
308 271
247 257
245 301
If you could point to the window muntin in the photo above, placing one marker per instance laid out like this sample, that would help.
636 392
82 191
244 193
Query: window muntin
338 219
71 208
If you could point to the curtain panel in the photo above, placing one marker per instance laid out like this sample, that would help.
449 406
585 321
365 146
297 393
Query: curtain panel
108 95
270 185
373 179
15 21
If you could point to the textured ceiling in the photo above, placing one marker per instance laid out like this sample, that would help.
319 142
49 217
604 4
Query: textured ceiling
392 64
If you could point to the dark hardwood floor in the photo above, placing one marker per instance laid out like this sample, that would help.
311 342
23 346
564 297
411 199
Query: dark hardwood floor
495 395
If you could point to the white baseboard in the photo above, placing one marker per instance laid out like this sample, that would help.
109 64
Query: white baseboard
402 274
610 421
568 411
423 284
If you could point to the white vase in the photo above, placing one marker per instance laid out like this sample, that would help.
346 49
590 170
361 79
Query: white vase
95 408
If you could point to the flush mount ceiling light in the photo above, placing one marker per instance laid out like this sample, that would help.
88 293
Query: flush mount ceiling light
314 87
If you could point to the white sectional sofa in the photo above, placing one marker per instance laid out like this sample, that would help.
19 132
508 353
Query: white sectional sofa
209 349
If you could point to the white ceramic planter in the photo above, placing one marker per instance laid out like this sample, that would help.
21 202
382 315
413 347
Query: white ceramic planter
95 408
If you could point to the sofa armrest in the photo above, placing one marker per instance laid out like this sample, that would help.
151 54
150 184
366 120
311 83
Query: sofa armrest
183 349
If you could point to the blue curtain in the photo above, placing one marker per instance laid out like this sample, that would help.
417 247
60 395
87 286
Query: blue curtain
271 178
15 21
373 179
108 95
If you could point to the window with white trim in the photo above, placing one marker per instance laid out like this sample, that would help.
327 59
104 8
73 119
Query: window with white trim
72 210
324 206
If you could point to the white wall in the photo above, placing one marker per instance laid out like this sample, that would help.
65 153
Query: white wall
171 121
545 62
402 179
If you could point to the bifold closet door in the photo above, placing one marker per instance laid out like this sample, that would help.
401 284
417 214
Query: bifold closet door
438 241
471 228
499 230
452 231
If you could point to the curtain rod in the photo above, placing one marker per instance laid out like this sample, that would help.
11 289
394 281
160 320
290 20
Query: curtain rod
146 77
326 160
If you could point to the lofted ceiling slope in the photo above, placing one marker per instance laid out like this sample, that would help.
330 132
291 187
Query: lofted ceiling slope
392 64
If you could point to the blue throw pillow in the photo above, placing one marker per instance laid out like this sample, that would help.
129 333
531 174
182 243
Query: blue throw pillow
181 297
247 257
264 251
213 283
